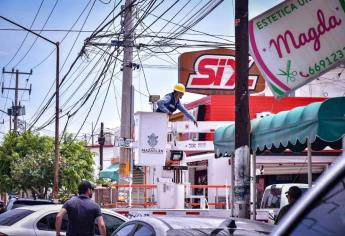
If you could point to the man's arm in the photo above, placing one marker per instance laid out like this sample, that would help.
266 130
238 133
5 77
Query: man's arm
101 225
185 111
58 220
281 213
161 103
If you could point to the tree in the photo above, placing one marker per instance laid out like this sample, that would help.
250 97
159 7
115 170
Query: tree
76 163
27 163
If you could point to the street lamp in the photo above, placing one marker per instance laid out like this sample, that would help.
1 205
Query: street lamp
57 84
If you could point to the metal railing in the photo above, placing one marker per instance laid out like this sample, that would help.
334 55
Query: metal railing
145 196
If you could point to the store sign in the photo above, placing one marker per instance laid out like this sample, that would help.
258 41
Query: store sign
297 41
213 72
150 137
195 145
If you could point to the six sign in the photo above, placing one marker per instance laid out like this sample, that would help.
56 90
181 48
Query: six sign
213 72
217 72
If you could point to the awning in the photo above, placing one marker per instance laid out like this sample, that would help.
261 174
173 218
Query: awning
323 123
111 172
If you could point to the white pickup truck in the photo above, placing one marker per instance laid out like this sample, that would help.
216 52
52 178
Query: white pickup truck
273 199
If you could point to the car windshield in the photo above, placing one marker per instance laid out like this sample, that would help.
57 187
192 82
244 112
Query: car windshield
10 217
271 198
327 215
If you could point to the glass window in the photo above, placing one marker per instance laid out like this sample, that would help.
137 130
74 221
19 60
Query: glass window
48 223
327 216
10 217
111 224
143 230
125 230
271 198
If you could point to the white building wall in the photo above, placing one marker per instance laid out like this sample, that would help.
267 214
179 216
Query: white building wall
219 172
108 154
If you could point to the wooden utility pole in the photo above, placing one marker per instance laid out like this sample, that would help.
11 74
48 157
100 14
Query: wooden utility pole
242 119
127 101
17 110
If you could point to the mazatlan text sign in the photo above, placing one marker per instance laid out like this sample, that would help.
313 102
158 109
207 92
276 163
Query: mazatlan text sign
297 41
150 138
213 72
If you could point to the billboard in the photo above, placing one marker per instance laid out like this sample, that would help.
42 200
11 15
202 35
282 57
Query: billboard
297 41
213 72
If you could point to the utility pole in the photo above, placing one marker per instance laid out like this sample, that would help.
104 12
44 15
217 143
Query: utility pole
101 141
127 101
92 138
242 119
17 109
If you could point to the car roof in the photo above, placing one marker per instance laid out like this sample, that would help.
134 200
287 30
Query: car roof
287 185
247 224
175 222
31 199
57 207
42 207
179 223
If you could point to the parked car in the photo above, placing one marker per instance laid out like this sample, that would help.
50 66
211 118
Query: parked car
40 221
321 210
273 199
16 202
177 226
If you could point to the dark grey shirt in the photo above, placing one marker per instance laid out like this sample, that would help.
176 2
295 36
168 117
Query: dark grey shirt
82 212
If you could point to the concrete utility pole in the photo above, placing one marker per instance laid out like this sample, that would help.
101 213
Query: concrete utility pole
17 109
127 101
242 119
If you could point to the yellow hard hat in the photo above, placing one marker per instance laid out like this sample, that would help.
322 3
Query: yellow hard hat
180 88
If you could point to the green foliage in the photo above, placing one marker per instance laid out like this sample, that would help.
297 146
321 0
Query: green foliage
27 163
76 163
105 182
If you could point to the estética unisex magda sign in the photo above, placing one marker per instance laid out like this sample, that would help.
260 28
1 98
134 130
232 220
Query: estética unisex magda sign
297 41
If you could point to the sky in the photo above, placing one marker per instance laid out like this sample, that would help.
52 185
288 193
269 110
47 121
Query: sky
156 76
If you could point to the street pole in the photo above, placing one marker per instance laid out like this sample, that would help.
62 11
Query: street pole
242 120
16 108
57 109
92 138
15 121
57 124
126 105
101 141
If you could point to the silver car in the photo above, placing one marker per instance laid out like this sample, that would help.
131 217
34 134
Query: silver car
321 211
177 226
40 221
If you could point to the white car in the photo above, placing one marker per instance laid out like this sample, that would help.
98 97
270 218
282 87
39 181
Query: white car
40 221
177 226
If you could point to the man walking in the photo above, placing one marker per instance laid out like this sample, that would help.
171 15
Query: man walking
170 102
292 195
82 213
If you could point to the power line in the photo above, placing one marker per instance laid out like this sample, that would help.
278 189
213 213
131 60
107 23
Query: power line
65 36
45 23
27 34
